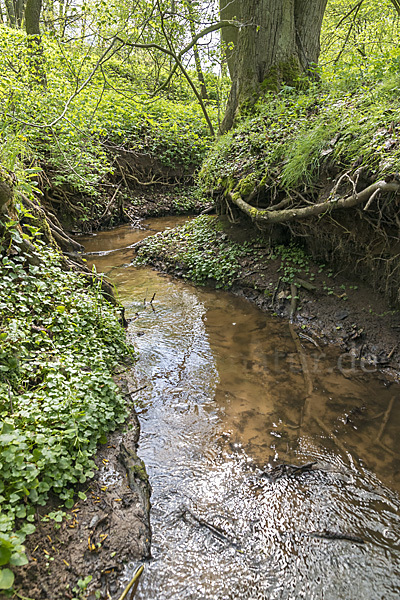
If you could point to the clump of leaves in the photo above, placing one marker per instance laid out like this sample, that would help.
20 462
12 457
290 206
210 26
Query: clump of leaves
59 341
77 152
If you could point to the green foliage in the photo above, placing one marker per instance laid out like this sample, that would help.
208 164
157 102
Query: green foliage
294 136
59 341
294 262
200 248
110 114
359 42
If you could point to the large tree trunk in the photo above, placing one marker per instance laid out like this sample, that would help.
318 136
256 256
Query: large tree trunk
34 39
277 43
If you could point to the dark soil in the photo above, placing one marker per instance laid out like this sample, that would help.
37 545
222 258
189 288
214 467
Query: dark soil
136 205
179 201
100 535
341 311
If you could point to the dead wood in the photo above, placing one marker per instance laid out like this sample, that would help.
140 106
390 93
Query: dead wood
336 535
137 477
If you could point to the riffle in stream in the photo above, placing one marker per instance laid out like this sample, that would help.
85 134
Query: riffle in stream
225 404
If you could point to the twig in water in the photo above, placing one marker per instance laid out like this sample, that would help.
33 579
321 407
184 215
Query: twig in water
138 390
154 295
216 531
310 339
336 535
134 582
386 418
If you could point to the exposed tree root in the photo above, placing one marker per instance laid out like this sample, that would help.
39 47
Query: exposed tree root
271 216
54 235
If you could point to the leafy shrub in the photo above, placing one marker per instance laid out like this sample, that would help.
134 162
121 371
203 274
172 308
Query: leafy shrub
105 117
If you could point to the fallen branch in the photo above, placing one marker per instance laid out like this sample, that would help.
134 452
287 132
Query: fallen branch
305 284
287 470
311 340
293 303
336 535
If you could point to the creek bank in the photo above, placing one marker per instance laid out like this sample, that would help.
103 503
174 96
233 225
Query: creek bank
87 551
330 307
128 206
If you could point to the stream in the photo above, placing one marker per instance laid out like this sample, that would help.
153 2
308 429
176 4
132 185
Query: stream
225 405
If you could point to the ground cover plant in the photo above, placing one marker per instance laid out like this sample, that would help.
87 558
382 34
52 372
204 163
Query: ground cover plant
59 342
203 251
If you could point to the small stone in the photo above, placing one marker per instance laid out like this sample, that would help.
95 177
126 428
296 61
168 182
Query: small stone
341 315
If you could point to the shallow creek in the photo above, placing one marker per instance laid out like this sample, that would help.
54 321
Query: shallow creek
225 402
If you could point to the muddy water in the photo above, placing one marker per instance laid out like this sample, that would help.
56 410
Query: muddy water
226 401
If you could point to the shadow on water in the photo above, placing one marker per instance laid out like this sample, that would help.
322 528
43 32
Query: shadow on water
225 403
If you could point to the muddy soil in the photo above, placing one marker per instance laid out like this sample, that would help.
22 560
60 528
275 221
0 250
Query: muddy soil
342 311
100 535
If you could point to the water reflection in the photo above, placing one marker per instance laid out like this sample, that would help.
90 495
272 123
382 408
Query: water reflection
226 397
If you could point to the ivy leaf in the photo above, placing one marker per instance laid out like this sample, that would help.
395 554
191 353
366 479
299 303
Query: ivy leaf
5 555
18 559
6 579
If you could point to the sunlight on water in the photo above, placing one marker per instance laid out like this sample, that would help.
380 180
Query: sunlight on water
225 402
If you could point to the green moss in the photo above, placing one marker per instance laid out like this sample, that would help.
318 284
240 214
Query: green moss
285 72
246 185
140 471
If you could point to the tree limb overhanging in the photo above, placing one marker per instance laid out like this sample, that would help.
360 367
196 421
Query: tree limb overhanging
270 217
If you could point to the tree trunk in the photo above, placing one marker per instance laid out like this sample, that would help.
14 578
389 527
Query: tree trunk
35 47
230 10
11 17
197 60
277 43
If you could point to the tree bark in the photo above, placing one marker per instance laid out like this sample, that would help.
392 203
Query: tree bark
35 48
277 43
230 11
